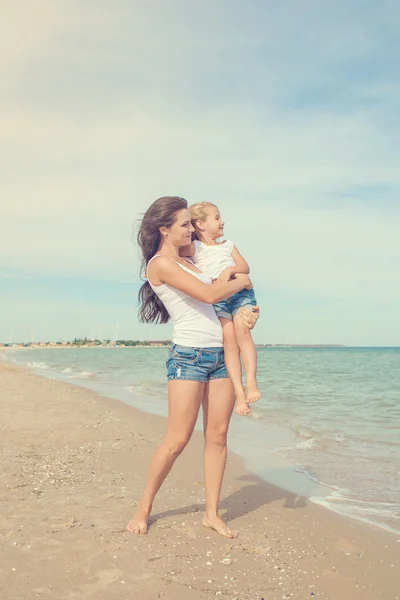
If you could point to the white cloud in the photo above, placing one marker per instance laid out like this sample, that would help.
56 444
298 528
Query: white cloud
346 254
26 29
106 110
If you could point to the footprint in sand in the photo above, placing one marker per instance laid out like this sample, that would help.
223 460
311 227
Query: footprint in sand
105 577
345 545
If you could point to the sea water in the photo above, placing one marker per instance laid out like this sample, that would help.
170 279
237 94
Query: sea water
327 426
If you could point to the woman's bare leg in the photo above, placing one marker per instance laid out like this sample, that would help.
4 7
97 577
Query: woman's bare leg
217 410
184 399
234 366
249 357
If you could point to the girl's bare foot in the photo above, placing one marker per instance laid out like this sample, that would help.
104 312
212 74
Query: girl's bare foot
241 406
138 523
242 409
253 393
219 526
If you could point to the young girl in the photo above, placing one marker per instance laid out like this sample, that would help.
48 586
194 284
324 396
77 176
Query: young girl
222 261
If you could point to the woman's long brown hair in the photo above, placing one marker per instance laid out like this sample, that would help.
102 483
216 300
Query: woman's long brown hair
162 213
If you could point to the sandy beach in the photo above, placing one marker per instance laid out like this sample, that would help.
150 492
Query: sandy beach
73 465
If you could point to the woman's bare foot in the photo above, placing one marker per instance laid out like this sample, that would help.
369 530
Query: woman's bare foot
138 523
219 526
253 393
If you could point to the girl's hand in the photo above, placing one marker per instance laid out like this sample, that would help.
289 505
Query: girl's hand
243 277
225 275
249 315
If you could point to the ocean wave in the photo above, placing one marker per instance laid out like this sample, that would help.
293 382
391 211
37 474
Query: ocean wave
82 375
337 492
307 444
257 415
304 431
324 436
7 357
384 515
38 365
149 388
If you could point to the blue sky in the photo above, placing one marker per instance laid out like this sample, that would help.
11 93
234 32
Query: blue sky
284 114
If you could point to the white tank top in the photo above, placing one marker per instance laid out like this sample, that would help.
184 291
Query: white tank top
213 259
195 323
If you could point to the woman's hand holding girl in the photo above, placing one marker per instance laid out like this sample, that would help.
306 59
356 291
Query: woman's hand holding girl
249 315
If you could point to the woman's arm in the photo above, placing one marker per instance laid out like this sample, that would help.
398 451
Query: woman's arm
165 270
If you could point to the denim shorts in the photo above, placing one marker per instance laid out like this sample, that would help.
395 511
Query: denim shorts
196 364
229 307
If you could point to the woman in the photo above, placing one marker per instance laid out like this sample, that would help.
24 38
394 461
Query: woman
197 375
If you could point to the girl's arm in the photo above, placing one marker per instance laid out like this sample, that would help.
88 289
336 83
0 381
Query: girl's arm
165 270
240 267
188 250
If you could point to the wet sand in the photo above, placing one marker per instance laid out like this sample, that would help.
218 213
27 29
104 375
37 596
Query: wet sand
72 466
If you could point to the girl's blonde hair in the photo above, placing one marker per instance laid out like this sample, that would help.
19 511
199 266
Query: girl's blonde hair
199 212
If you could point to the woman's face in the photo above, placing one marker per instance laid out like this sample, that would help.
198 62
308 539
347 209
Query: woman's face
180 233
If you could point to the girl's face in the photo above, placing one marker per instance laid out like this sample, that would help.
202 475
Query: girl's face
213 225
180 233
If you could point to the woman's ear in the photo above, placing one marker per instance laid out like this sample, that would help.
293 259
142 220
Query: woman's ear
164 231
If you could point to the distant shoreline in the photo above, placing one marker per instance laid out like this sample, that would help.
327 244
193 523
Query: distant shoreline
152 345
165 345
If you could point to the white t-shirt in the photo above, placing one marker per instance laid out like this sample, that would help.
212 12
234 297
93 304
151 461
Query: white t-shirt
213 259
195 323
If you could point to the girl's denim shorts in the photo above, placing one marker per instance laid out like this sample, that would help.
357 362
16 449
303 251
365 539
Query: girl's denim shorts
196 364
230 307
